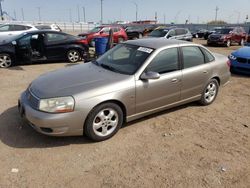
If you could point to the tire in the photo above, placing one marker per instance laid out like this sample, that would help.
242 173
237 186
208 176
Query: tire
210 92
103 122
241 43
73 56
120 39
6 60
228 44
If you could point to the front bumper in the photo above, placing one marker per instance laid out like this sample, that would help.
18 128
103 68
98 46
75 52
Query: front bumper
62 124
240 67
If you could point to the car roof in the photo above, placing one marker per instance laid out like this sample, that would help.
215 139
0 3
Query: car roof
155 43
45 31
18 24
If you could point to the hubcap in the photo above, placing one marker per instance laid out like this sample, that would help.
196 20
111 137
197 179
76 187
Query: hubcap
73 56
5 61
210 92
105 122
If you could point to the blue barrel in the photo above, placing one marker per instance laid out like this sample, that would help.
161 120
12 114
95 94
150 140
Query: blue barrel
100 45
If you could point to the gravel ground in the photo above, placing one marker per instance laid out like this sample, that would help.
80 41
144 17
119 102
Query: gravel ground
188 146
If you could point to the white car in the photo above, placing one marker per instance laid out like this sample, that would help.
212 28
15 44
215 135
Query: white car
15 29
53 27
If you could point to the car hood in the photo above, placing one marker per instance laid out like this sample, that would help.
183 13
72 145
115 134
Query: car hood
88 78
242 52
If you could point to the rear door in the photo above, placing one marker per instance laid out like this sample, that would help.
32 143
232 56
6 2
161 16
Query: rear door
195 73
55 45
152 94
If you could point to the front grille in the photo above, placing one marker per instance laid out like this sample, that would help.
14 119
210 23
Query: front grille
242 60
32 99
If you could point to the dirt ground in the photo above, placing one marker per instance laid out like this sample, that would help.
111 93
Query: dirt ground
188 146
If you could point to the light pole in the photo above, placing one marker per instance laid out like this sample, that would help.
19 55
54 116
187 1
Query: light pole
136 10
39 13
216 12
22 13
101 12
1 10
84 16
78 13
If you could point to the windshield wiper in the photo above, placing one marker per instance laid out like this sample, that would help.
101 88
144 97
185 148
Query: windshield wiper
95 62
108 67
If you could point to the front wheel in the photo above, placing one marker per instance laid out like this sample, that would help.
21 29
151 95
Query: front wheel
210 92
5 61
73 56
103 121
241 43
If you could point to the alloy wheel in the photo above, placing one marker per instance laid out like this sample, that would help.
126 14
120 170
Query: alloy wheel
73 56
210 92
5 61
105 122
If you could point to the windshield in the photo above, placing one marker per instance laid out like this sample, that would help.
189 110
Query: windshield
10 38
222 31
158 33
95 30
124 58
134 28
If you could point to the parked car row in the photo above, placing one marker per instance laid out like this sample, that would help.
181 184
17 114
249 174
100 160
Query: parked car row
15 29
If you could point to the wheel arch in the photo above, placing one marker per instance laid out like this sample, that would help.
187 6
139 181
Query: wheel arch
217 78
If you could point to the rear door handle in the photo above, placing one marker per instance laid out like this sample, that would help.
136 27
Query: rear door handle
205 71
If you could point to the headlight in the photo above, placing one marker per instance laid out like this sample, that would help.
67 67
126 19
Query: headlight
57 105
232 57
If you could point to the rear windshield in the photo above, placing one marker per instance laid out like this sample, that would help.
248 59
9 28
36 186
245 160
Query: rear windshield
223 31
159 33
95 30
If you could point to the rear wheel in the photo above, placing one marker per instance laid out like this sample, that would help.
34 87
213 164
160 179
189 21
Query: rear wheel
210 92
5 61
73 56
228 44
103 121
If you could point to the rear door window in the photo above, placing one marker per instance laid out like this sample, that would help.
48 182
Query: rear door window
55 37
192 56
18 28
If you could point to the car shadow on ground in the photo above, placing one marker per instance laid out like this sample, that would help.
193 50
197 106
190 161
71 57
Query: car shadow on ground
15 133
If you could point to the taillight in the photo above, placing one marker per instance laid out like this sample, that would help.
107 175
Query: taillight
83 41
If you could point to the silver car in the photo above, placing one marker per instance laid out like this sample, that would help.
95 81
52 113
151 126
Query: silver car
132 80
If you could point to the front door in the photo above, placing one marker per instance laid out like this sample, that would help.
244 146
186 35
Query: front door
152 94
23 49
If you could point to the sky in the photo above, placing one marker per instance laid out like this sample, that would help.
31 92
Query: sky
177 11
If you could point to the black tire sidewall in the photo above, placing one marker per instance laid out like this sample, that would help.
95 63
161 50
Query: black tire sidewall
88 126
202 100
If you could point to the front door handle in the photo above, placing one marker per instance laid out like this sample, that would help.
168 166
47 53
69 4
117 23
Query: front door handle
174 80
205 71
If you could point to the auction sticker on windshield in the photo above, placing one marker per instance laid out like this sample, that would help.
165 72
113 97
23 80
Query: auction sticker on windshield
147 50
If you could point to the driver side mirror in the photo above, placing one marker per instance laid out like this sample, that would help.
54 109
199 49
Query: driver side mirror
14 43
150 75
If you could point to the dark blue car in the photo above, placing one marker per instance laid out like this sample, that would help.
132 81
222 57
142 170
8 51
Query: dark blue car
240 60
